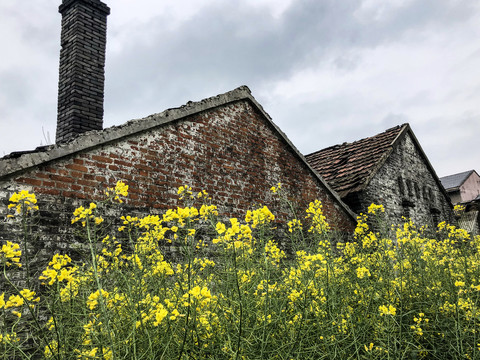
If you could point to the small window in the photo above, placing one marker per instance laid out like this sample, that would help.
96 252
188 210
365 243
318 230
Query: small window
417 190
407 207
410 188
435 213
401 186
426 195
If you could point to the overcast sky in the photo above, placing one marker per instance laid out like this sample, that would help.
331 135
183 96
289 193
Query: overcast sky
327 71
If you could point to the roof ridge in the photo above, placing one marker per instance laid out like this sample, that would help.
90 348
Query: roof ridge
454 181
350 166
16 161
345 144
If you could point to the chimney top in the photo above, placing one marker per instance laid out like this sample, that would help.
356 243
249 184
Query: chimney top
93 3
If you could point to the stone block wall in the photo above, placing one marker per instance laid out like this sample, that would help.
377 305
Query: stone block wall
406 187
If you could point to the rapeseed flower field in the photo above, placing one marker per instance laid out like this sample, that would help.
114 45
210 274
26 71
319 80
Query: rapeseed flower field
243 288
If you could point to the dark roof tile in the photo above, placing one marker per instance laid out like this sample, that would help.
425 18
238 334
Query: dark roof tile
348 166
456 180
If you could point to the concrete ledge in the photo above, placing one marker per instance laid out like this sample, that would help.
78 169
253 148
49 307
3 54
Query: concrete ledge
21 161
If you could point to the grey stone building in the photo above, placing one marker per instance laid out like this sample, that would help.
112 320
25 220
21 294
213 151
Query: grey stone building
389 169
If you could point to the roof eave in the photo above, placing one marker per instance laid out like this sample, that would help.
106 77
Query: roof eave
98 138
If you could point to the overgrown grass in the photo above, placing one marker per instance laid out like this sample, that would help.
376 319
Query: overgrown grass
233 293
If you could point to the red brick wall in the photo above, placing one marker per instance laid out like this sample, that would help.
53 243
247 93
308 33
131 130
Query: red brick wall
232 152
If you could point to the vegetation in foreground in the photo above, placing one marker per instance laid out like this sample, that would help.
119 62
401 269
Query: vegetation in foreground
233 293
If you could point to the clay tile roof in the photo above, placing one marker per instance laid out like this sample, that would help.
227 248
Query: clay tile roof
348 167
456 180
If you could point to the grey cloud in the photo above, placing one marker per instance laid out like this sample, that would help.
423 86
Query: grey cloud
228 44
450 142
159 64
39 23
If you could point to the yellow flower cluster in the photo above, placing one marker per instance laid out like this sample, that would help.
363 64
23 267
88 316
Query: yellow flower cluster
10 254
16 302
259 216
120 189
275 189
374 296
86 214
362 272
9 338
453 233
459 209
57 270
93 298
319 224
129 222
294 225
185 191
208 210
23 202
237 236
374 209
419 321
273 253
387 310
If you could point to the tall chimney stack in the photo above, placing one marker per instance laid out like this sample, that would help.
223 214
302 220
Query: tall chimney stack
82 67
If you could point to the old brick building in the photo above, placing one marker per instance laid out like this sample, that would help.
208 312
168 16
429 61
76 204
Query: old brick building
389 169
226 145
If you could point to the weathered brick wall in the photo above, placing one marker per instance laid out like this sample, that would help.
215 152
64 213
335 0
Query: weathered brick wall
231 151
406 187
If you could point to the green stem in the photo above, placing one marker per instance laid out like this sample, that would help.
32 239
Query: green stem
31 313
189 285
25 244
240 330
99 286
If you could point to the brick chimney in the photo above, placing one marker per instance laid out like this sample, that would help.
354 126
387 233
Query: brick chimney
82 67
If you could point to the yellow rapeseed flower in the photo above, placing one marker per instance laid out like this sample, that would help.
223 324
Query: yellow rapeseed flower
369 347
29 295
23 202
92 300
82 214
274 189
9 338
387 310
294 225
375 209
221 228
319 221
10 254
185 191
14 301
2 301
121 189
362 272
